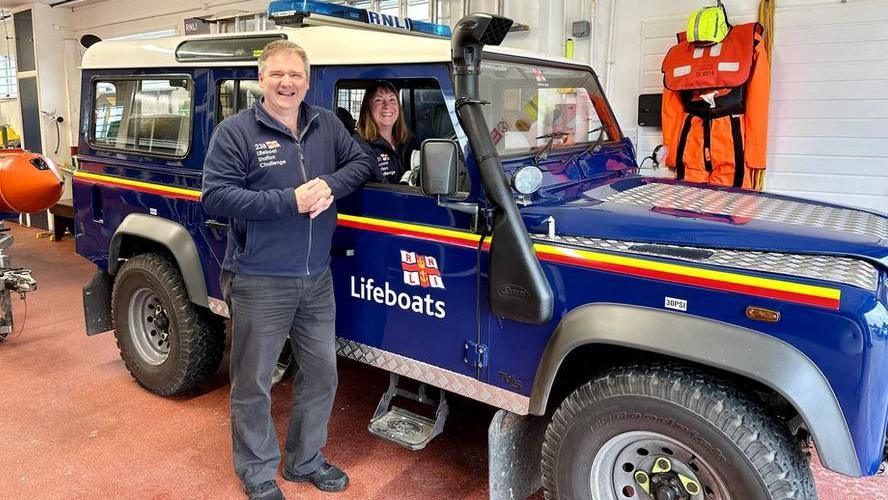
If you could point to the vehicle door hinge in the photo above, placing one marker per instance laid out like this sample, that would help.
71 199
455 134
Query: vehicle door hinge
476 354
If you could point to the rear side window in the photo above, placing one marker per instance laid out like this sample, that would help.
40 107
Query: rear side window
236 96
150 116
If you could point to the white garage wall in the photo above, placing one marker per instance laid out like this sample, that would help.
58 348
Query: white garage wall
49 43
829 123
828 127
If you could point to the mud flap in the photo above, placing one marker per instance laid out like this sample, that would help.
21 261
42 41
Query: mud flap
515 444
97 303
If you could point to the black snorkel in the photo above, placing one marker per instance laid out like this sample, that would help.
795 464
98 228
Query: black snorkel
518 288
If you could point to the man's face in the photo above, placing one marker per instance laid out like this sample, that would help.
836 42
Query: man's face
283 82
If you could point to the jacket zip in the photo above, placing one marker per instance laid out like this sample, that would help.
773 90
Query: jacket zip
305 176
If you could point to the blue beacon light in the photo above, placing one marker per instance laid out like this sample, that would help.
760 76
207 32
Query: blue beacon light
282 9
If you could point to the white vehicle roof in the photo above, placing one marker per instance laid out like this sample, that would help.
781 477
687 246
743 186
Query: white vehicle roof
325 45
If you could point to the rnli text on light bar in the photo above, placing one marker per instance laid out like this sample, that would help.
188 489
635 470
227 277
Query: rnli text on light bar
280 9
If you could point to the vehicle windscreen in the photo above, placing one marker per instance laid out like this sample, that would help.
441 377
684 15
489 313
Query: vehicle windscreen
531 104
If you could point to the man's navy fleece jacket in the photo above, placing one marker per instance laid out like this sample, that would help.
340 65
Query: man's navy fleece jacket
252 166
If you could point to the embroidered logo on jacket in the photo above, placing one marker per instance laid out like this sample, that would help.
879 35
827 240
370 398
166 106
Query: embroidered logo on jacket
267 154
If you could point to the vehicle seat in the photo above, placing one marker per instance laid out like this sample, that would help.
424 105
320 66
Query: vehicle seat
346 118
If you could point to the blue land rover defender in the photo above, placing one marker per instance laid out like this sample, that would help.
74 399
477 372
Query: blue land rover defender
643 337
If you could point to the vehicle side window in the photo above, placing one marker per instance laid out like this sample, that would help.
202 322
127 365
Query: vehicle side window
236 96
424 110
429 114
148 116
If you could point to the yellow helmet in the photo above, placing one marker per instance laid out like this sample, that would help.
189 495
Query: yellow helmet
708 25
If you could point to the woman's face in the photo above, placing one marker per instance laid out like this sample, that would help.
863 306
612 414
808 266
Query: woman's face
384 108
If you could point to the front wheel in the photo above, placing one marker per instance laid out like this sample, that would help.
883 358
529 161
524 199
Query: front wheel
166 341
652 432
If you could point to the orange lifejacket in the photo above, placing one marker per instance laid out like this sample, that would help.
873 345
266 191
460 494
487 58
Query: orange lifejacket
715 109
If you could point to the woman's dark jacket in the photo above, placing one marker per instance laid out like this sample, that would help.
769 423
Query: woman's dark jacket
390 164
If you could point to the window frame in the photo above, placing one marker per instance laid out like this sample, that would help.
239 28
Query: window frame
610 120
268 37
91 133
10 80
410 110
436 85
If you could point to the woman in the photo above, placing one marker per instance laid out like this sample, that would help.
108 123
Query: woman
383 133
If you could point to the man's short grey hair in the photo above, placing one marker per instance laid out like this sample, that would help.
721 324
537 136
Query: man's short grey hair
283 47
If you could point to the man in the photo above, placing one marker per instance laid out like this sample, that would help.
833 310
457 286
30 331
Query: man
275 170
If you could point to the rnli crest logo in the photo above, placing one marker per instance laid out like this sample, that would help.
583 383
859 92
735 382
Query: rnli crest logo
421 270
272 144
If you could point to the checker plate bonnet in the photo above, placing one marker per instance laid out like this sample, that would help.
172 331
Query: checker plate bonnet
753 206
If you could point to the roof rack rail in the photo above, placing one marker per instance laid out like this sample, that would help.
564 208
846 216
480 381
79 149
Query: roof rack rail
314 12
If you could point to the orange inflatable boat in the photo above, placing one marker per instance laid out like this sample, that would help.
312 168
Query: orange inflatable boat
29 182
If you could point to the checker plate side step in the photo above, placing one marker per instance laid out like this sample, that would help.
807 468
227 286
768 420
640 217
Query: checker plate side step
403 427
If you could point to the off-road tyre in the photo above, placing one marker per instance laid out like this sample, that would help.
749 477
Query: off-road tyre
195 346
750 452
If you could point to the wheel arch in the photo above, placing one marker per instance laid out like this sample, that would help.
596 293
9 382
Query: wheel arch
739 351
168 235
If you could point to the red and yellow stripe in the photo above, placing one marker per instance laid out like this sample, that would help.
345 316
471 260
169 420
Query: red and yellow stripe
145 187
449 236
631 266
688 275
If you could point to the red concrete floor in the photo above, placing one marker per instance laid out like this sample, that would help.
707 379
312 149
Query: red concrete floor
74 424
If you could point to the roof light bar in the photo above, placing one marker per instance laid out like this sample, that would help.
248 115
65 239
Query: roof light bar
295 11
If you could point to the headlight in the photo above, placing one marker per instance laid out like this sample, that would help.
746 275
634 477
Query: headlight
527 179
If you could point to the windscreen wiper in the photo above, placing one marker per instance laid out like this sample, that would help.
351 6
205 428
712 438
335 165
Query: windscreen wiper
598 140
544 153
595 145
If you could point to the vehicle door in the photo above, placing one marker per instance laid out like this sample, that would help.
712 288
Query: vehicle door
405 269
232 91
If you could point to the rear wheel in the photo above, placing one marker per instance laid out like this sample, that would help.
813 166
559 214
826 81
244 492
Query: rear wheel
166 342
671 433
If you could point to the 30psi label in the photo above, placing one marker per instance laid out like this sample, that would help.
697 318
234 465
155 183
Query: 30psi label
677 304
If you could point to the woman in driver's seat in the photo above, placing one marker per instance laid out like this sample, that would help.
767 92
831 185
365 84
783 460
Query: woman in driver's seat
383 133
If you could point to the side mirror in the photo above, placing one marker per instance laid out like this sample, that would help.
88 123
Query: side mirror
438 167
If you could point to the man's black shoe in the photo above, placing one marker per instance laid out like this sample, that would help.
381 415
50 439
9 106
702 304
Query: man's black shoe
327 477
267 490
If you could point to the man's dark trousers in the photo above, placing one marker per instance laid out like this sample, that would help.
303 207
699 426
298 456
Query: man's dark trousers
265 311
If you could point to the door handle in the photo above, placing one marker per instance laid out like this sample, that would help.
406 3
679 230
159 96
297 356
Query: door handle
214 224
